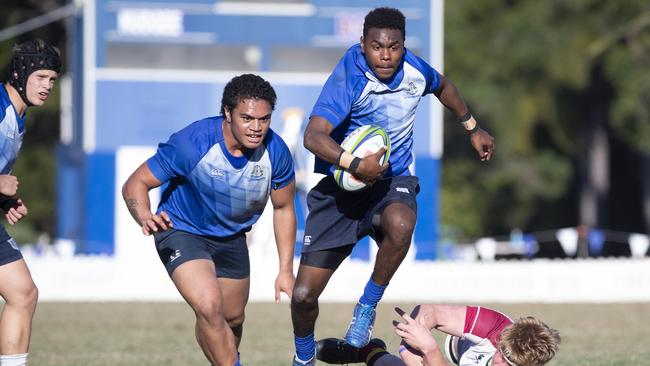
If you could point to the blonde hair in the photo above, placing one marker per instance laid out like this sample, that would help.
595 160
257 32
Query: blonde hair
529 342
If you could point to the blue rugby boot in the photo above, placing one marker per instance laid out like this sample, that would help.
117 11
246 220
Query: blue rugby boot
360 329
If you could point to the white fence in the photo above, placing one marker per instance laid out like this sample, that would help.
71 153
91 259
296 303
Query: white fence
135 273
143 278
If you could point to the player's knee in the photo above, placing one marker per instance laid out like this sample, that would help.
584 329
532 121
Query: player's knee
208 309
236 320
399 226
25 298
302 296
31 298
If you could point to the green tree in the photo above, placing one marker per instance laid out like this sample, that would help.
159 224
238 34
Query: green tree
546 78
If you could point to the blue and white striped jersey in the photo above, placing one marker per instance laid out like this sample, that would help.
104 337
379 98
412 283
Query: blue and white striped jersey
211 192
12 130
353 96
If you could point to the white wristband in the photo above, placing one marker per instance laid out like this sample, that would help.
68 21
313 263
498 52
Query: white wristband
470 124
345 160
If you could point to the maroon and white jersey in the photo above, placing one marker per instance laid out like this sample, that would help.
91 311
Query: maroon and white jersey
480 338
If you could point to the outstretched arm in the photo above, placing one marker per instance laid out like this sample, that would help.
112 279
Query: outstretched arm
450 97
135 192
449 319
318 141
284 227
418 345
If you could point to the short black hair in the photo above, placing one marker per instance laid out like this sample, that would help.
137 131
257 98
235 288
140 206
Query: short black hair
384 17
246 86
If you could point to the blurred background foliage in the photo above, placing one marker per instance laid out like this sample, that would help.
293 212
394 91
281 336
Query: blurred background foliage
543 77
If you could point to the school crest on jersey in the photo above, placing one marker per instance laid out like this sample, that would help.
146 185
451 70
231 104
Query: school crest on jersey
257 172
412 88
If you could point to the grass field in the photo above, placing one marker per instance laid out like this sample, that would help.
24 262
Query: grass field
93 334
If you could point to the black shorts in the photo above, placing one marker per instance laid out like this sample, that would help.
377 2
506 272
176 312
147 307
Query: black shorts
338 218
230 255
9 252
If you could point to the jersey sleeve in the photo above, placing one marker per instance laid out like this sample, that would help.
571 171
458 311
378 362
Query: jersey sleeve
340 90
177 156
5 102
485 323
431 75
281 162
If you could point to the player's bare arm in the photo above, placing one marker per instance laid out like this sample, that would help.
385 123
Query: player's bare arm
284 227
8 185
480 139
418 339
450 97
449 319
318 141
135 192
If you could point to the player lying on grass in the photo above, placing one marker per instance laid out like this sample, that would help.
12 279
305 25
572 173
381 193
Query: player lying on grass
475 336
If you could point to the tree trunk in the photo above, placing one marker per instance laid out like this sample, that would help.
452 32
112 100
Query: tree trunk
595 163
645 179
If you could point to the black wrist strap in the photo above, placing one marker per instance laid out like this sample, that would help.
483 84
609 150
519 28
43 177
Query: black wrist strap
354 164
465 117
473 130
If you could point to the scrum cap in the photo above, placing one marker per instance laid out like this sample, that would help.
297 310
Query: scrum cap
29 57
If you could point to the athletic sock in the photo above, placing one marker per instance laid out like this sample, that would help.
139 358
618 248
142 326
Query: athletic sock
14 360
372 293
305 347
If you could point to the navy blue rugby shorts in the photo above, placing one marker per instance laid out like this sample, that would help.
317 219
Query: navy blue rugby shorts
9 252
230 255
338 218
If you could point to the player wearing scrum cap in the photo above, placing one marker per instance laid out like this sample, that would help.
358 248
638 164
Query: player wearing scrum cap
35 66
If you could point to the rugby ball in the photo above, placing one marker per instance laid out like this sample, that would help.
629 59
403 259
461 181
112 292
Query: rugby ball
361 142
